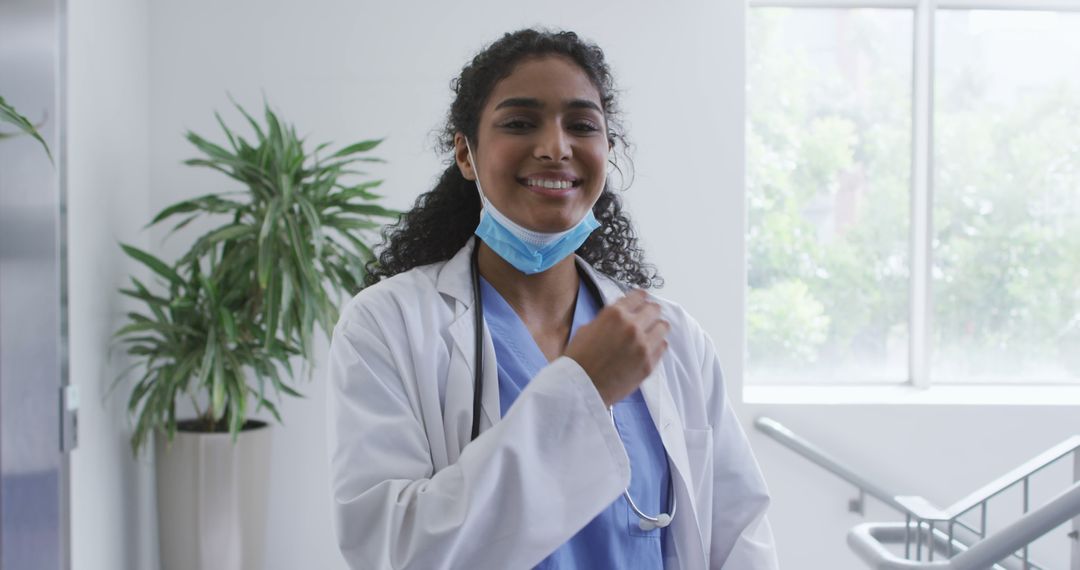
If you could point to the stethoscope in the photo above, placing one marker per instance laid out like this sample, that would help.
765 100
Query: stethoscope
645 522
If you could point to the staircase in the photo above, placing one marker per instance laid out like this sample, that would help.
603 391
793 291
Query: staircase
954 537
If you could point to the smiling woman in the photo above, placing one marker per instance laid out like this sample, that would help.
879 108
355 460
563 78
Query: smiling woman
443 219
542 129
497 401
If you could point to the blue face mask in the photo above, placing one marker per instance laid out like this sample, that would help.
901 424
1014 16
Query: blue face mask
529 251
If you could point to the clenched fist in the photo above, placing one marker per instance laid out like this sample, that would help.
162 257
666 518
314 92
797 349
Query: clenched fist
621 346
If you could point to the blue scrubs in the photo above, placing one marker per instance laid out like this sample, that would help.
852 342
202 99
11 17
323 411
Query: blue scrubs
613 540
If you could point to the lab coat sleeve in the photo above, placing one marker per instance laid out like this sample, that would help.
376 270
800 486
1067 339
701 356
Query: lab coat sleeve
515 494
741 536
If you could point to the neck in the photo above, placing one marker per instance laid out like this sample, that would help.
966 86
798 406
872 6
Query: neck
542 300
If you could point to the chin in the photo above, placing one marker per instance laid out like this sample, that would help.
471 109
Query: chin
555 225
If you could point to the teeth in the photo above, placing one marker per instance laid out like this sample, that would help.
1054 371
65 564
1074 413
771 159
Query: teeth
553 184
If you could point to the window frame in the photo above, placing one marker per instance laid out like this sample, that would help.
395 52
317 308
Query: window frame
922 150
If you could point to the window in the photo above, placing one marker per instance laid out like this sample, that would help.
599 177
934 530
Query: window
913 192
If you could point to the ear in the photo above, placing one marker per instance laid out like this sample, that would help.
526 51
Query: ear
461 156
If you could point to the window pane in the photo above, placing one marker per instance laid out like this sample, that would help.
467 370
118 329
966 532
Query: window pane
1006 250
828 169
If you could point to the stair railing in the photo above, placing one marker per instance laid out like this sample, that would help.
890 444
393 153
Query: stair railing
942 532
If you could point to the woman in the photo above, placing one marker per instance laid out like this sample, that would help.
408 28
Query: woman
602 437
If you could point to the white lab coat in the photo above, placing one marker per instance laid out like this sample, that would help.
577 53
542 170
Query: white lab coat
411 491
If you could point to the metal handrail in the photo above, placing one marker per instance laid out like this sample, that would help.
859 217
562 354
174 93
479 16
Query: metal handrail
1001 484
867 539
928 518
789 439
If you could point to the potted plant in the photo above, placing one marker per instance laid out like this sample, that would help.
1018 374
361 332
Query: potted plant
236 308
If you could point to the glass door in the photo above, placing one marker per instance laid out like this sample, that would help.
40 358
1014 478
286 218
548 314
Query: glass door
33 470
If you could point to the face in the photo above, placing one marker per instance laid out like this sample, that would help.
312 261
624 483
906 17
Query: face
541 145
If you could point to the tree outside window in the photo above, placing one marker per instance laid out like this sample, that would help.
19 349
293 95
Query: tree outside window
829 194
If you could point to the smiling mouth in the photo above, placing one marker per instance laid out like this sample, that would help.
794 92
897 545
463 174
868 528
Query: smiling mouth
549 184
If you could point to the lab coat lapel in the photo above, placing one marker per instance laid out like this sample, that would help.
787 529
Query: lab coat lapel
661 405
455 280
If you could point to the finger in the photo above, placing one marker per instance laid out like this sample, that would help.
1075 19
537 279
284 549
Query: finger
656 338
647 313
658 351
658 331
633 299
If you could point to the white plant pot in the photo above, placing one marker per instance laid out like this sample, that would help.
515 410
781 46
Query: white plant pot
211 499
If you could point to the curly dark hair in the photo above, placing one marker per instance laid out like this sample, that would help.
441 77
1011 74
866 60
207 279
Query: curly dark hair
442 219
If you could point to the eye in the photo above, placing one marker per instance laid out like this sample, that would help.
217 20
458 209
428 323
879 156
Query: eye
584 127
516 124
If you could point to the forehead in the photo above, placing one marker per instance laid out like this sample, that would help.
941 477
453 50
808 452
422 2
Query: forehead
552 79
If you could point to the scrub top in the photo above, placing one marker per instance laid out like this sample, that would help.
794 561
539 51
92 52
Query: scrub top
613 540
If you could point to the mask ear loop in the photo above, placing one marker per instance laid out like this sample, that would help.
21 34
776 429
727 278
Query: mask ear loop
476 173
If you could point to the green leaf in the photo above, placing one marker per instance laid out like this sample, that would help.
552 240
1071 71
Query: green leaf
237 388
288 295
368 209
211 290
210 203
313 222
251 121
362 146
286 184
207 359
228 323
210 149
182 223
218 389
281 386
270 312
222 234
229 232
141 388
302 258
264 403
225 129
177 208
9 115
153 263
362 248
156 304
270 220
235 405
144 296
163 328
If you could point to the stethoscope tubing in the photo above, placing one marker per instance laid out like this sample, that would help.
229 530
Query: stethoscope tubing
478 310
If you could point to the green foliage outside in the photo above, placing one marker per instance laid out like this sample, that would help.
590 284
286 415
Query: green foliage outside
828 180
814 147
1007 221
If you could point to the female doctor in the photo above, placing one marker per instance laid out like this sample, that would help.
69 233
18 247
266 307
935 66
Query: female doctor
500 397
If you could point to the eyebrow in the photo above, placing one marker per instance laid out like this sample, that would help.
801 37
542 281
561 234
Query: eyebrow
531 103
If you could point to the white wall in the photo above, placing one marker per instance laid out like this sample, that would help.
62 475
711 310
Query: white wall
112 516
346 70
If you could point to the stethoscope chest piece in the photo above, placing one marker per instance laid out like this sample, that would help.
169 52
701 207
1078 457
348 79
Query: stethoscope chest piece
645 522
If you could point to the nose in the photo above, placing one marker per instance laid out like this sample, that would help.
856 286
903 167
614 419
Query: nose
553 144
